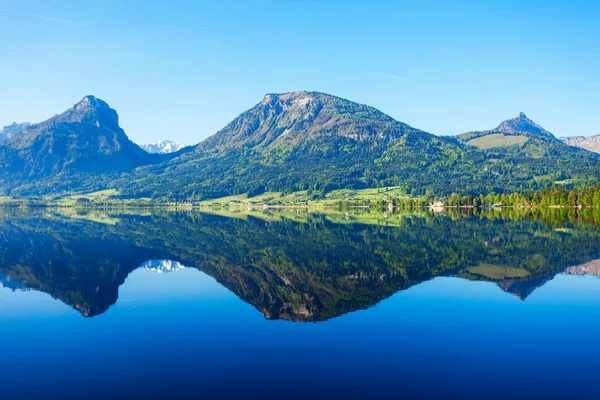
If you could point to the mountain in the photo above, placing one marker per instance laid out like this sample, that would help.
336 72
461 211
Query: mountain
515 131
288 142
534 156
61 152
162 147
304 141
591 143
521 123
318 142
13 129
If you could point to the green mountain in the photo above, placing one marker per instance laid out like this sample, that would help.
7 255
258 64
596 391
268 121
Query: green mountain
288 142
314 141
531 154
61 152
299 141
515 131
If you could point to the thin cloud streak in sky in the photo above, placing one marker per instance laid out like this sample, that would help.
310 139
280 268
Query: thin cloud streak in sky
395 77
43 17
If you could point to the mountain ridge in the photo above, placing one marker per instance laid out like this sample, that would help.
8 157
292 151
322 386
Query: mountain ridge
319 142
292 116
293 141
287 142
84 140
590 143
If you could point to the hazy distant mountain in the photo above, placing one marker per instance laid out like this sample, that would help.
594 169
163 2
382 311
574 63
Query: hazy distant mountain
591 143
162 147
13 129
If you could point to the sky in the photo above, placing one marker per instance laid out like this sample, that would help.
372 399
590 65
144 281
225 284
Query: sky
181 70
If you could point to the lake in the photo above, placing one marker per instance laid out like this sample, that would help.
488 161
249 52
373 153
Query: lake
297 304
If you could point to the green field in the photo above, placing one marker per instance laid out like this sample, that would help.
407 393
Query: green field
498 272
497 140
99 196
256 200
98 217
303 198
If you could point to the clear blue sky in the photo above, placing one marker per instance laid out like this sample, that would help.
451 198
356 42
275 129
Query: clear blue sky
182 70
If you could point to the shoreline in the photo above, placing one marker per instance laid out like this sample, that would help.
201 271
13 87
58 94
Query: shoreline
275 206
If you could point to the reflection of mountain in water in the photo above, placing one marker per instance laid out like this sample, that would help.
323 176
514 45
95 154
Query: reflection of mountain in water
11 283
307 270
162 266
589 268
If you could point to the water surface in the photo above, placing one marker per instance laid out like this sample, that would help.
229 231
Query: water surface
196 305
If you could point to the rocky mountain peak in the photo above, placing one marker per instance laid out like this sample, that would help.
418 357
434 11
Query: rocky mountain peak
289 100
91 102
91 110
297 118
522 124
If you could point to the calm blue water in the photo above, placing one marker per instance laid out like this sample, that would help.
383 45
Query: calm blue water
182 334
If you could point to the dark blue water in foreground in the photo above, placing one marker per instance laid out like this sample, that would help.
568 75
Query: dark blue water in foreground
182 334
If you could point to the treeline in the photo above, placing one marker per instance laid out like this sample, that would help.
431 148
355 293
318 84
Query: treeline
550 197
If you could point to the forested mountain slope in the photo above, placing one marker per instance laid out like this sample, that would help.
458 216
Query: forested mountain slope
287 142
319 142
63 152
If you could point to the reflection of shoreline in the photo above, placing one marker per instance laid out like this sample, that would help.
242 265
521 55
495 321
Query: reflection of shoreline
589 268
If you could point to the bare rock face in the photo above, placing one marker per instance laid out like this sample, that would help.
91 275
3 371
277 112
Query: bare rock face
520 123
591 143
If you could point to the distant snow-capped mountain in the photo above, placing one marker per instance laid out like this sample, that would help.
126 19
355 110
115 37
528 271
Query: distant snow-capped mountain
162 266
162 147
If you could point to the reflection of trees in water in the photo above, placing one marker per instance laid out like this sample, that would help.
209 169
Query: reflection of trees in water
307 270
